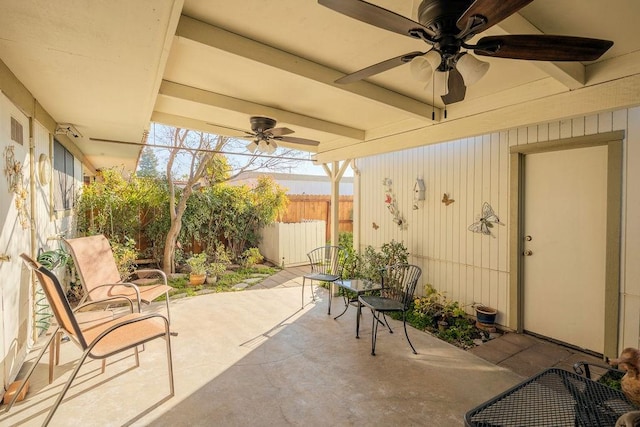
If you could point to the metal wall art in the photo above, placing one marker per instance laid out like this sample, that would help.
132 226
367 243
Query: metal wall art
446 200
13 172
485 221
392 205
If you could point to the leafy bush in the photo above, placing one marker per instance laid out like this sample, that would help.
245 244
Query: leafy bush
119 208
232 214
371 263
433 307
251 257
125 254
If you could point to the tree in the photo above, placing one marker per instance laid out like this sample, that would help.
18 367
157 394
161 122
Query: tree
196 158
148 164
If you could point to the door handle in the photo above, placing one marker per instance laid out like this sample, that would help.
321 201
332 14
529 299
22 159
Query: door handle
528 253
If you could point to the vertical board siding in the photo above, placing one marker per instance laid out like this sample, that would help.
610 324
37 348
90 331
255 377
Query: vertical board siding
474 268
287 244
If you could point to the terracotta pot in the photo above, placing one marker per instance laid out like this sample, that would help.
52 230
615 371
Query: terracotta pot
197 279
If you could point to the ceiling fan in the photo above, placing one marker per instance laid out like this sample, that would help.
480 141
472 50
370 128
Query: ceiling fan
264 135
447 25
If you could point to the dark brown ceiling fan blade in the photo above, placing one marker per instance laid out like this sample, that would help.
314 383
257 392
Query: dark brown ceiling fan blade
280 131
378 68
301 141
377 16
457 89
542 47
490 13
228 131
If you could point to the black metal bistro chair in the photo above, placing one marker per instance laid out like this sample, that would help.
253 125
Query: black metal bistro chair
327 263
398 285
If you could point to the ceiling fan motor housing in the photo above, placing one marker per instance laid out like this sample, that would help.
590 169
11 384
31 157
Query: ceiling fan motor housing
261 124
441 15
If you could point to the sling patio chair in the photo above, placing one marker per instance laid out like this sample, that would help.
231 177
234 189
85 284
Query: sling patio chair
326 264
97 341
398 286
100 278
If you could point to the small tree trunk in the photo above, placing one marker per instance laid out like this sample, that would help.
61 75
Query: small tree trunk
168 260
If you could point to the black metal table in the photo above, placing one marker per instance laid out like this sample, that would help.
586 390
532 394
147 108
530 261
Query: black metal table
357 287
554 397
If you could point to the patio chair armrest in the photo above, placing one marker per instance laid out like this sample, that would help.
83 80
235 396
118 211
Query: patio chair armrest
127 284
109 300
584 368
129 322
152 271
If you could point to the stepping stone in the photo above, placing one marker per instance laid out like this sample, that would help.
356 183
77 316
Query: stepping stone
240 286
253 280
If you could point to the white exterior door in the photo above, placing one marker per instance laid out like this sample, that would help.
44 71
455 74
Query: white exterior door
565 205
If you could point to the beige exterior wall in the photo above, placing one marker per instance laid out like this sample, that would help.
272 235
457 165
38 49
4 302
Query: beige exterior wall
17 314
472 267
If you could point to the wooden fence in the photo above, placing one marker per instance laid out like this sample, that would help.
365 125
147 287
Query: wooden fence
318 207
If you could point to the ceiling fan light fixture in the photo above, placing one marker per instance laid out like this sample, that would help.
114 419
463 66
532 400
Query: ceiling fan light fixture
471 68
272 146
441 87
252 146
263 146
423 66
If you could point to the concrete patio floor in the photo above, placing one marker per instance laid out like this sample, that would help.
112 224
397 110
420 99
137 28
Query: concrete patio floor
255 358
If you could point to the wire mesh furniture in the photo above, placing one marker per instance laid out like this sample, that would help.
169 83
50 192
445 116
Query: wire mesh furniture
98 341
398 286
326 264
553 397
352 289
100 278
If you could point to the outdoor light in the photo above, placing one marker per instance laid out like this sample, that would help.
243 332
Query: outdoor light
422 67
471 68
268 147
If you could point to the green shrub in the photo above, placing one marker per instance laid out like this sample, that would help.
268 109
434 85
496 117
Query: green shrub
251 257
125 255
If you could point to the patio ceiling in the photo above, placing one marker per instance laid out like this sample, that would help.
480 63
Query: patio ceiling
110 68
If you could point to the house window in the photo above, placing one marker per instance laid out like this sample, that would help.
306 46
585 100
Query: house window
63 176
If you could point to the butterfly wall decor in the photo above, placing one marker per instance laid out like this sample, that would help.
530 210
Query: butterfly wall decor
446 200
485 222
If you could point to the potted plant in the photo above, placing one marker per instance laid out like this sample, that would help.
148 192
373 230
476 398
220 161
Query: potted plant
486 315
214 271
198 264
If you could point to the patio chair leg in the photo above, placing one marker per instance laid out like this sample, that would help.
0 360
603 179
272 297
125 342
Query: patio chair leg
54 408
358 316
169 361
303 283
404 321
374 332
387 323
52 349
33 368
135 350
